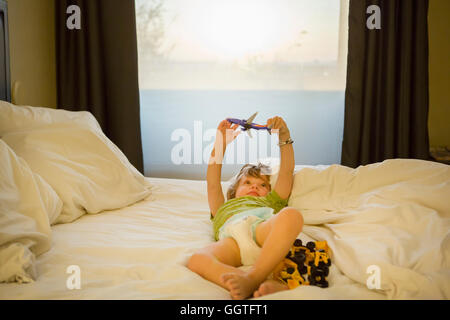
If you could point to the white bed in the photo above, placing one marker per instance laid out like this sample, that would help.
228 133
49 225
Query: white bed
393 215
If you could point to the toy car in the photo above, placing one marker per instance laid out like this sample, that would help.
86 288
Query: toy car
305 265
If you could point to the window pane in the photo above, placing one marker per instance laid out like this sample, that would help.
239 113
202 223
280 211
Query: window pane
201 61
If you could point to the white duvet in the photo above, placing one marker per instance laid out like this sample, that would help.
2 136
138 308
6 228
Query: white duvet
394 215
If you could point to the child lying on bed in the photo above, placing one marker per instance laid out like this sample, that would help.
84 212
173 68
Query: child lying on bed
253 227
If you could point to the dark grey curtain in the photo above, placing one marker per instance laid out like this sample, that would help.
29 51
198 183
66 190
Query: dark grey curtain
386 98
97 69
5 78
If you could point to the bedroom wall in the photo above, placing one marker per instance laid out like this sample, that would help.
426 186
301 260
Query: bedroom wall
32 52
439 72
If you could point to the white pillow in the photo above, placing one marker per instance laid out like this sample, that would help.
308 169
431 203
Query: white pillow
27 205
17 118
68 149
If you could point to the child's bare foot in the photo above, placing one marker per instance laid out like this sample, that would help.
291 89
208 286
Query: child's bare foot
270 286
241 286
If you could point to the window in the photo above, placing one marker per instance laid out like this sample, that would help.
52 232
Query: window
201 61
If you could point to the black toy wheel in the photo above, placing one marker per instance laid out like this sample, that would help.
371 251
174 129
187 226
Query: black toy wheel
300 255
311 245
314 269
299 258
303 270
322 264
298 243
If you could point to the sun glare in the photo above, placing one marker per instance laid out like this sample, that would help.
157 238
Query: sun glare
234 29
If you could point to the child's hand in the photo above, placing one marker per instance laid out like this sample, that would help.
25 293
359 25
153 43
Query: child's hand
278 125
226 133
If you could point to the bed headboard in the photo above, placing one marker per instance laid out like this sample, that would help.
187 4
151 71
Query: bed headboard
5 81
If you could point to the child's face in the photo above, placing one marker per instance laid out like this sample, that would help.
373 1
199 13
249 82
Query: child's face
252 186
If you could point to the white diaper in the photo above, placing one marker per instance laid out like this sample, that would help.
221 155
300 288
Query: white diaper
241 228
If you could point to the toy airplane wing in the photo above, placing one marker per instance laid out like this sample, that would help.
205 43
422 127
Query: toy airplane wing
249 123
249 120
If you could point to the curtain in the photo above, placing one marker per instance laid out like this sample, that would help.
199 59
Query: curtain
386 97
97 68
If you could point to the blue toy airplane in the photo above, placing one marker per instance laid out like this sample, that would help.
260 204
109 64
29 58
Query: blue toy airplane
247 124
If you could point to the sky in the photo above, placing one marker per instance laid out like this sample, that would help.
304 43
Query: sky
295 30
244 33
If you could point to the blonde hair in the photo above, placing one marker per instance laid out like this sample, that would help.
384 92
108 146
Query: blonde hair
258 171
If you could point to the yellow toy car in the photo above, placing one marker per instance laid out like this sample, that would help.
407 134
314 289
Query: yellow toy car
305 265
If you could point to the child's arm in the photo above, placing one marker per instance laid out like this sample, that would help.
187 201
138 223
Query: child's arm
285 179
213 175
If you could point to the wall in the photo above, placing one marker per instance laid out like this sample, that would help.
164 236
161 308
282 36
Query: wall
439 72
32 52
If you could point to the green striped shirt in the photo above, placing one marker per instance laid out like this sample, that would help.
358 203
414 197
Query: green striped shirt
237 205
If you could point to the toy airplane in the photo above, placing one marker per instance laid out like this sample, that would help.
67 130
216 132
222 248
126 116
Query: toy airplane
247 124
